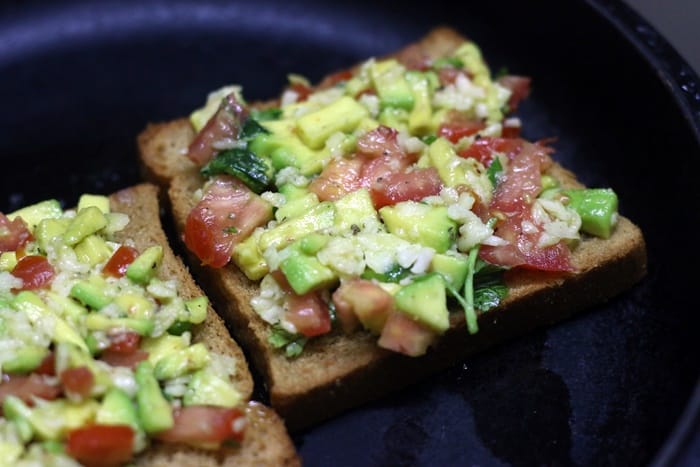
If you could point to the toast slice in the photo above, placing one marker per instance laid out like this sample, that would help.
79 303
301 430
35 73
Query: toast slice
337 372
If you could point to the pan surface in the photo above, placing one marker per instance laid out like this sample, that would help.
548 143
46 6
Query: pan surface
613 386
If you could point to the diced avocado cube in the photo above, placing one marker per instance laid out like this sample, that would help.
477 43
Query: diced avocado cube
100 322
395 118
25 359
136 306
8 261
292 192
305 273
85 223
160 347
453 268
470 55
319 217
248 257
342 115
426 302
16 411
90 294
93 250
48 229
154 411
296 207
419 118
32 215
391 86
206 388
98 201
597 208
117 408
54 419
284 148
182 362
355 211
442 154
144 267
312 243
420 223
197 309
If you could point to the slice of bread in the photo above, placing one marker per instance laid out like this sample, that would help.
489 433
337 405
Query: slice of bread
337 372
266 440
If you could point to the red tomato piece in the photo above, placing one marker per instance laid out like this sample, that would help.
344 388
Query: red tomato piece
302 91
405 186
13 234
124 342
129 360
454 131
382 141
47 366
120 261
484 149
226 123
25 387
227 213
403 335
335 78
104 445
309 312
338 178
519 87
199 424
77 381
364 301
35 271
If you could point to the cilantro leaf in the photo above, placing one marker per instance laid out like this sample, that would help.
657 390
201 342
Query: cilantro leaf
243 164
494 170
395 274
293 343
263 115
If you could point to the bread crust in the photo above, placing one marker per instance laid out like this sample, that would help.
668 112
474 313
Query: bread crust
266 440
337 372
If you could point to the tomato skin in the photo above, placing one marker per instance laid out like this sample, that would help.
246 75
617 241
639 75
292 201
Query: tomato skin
117 265
302 91
483 149
200 424
77 381
402 186
129 360
338 178
25 387
382 141
403 335
13 234
308 312
519 87
225 123
362 301
47 366
35 271
454 131
105 445
227 213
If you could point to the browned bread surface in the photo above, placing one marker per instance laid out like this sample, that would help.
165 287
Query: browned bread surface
266 440
337 372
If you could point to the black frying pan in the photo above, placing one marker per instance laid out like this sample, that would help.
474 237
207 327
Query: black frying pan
614 386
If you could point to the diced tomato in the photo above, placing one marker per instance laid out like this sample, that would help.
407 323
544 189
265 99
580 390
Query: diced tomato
25 387
338 178
129 360
335 78
308 313
120 261
47 366
484 149
302 91
454 131
35 271
104 445
519 87
13 234
405 186
124 342
512 202
404 335
199 424
226 123
77 381
510 131
365 301
227 213
382 141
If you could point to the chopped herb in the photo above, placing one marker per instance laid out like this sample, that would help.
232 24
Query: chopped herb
243 164
264 115
395 274
469 309
231 230
429 139
443 62
503 71
252 128
494 170
293 343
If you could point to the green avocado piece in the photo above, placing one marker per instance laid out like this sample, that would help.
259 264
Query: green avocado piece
117 408
197 309
52 420
420 223
48 229
25 360
8 261
100 322
154 411
16 411
453 268
162 346
248 257
135 305
93 250
182 362
284 148
88 221
342 115
597 208
296 207
305 272
144 267
90 294
426 302
99 201
391 86
419 120
319 217
355 212
206 388
32 215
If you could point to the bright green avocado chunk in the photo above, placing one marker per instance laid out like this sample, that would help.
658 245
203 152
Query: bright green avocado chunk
284 148
305 272
426 302
597 208
32 215
355 211
453 268
391 86
99 201
420 118
90 294
117 408
25 359
319 217
154 411
88 221
181 362
206 388
420 223
144 267
342 115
